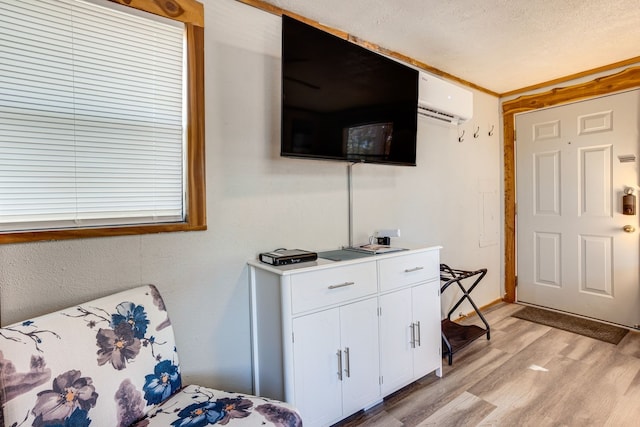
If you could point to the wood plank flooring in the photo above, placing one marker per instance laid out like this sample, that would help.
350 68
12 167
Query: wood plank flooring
526 375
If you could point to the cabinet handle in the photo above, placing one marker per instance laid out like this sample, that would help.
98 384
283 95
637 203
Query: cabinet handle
411 270
339 354
346 357
342 285
413 335
418 334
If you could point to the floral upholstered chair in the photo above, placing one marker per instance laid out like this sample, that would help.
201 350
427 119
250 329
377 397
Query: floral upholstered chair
113 362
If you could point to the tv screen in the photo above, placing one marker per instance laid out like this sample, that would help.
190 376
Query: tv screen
341 101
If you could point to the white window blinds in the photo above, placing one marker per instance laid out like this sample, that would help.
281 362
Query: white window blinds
91 116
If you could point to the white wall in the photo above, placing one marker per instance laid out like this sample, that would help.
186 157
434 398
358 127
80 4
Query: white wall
257 201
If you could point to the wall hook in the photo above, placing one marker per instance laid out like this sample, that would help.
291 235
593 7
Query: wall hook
477 132
491 130
461 137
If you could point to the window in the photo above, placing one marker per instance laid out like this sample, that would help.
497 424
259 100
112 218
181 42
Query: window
100 120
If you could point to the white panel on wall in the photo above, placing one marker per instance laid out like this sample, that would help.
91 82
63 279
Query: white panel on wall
547 258
596 122
595 192
546 130
547 183
596 265
489 216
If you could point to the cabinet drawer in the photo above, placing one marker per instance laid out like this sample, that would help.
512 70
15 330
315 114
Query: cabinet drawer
317 289
408 269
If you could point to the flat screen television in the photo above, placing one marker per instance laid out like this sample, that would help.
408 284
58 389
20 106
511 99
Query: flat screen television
341 101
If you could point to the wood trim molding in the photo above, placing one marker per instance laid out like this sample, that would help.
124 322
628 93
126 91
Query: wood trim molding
33 236
481 308
575 76
624 80
186 11
196 178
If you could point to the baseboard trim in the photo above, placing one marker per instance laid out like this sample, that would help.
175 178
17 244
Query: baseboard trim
482 308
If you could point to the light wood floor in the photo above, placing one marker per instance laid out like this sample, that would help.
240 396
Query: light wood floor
526 375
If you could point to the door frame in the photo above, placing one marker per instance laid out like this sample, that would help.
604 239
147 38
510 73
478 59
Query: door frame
624 80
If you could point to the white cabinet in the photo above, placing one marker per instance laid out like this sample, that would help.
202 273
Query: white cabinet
426 313
334 372
326 334
317 389
396 330
410 342
360 346
410 339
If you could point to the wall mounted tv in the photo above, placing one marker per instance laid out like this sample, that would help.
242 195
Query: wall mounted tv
341 101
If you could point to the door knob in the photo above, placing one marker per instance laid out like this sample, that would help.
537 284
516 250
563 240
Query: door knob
629 228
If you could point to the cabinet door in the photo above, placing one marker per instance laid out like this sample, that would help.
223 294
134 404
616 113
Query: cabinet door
361 368
396 352
316 342
426 314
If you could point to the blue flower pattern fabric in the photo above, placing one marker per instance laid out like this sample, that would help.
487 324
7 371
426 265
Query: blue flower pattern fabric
199 415
52 375
211 412
134 316
204 407
160 385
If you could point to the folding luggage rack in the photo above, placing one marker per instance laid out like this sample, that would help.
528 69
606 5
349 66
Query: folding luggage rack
454 335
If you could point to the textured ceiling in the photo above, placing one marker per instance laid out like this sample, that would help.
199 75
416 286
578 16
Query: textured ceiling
501 45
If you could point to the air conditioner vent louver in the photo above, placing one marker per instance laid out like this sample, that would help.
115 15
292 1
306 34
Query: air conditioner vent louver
444 101
428 112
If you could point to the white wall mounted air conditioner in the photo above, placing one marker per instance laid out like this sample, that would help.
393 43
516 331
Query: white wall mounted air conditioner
444 101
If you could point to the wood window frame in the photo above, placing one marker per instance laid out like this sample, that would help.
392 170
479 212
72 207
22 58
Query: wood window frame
191 14
625 80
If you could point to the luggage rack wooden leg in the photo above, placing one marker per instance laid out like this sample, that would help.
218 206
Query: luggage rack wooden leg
454 335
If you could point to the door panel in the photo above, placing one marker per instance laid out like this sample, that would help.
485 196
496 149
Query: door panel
573 254
596 265
595 181
547 183
396 355
318 393
427 355
360 349
547 261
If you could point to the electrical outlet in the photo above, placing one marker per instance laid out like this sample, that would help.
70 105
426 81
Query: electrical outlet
393 232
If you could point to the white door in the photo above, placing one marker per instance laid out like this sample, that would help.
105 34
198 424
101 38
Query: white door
360 365
426 314
316 345
572 170
396 351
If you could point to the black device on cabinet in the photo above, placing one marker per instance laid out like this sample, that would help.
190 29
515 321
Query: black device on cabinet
341 101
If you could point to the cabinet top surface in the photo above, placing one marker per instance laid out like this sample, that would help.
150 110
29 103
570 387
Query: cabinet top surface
322 263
